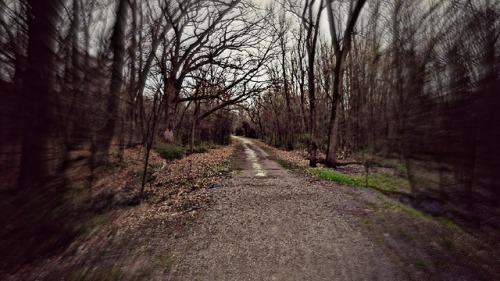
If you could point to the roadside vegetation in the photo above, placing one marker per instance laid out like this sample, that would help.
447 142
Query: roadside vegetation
427 236
388 180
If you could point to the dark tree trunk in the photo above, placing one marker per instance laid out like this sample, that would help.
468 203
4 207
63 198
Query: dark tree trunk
331 154
37 91
106 134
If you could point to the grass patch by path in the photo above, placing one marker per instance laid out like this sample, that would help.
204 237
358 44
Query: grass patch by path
337 177
417 213
377 181
407 209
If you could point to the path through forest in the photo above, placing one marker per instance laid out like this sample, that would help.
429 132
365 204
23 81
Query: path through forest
267 223
271 224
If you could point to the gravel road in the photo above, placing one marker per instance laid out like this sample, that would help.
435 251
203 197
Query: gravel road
271 224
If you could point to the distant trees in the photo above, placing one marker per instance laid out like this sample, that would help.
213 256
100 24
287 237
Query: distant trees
89 87
415 81
230 39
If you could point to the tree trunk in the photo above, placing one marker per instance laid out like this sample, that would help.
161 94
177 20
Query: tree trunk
331 157
132 104
312 121
193 125
340 53
331 153
170 107
37 93
106 134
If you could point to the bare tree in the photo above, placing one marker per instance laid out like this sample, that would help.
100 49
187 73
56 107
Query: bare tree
310 19
341 46
231 42
106 134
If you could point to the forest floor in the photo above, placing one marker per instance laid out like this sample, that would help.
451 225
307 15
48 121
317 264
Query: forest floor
263 222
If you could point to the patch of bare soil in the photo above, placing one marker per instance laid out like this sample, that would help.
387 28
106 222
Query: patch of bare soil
121 240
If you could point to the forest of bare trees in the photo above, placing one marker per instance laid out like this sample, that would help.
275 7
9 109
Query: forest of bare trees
83 80
93 75
408 84
414 81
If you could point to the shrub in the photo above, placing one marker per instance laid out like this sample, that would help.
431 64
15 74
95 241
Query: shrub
200 149
170 151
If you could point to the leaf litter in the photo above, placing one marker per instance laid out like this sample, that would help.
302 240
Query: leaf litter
133 243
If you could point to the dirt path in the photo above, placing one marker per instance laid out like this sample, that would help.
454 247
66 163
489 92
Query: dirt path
270 224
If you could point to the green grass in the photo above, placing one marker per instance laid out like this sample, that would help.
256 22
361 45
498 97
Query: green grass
92 223
390 204
170 151
370 203
396 164
77 274
406 209
337 177
166 263
417 213
109 273
378 181
447 222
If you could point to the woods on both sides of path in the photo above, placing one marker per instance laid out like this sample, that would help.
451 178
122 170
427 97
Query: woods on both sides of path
144 239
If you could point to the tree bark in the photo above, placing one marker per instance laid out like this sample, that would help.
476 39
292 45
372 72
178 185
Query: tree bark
340 53
37 90
106 134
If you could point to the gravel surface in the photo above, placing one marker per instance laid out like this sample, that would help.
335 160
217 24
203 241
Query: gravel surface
271 224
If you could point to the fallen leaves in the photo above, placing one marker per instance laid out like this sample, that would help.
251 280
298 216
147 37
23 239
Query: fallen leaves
132 236
296 157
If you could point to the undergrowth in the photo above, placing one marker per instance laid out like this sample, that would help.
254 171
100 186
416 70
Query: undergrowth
170 151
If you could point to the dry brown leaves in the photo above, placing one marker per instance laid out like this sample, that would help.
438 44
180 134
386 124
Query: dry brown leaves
179 187
112 232
296 157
